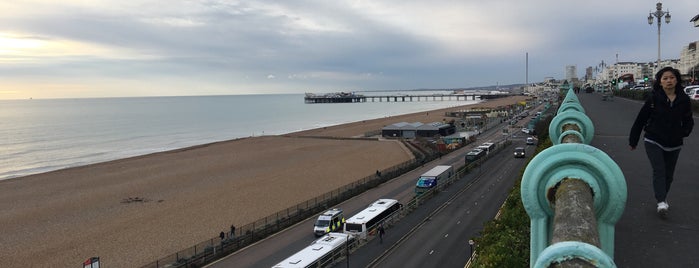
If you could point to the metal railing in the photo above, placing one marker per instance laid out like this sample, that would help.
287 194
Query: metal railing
574 194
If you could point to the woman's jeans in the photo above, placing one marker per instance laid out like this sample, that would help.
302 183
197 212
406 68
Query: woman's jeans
663 164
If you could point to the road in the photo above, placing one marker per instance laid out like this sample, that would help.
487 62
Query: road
441 238
276 248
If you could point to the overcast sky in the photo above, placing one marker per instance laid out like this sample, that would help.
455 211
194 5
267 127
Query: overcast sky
114 48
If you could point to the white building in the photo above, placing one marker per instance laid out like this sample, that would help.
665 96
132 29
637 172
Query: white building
571 73
689 60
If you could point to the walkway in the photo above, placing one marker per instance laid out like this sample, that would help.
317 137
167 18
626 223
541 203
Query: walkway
642 238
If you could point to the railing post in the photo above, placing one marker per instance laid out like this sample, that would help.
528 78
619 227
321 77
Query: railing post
574 195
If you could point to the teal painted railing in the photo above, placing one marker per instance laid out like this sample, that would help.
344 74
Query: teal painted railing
574 194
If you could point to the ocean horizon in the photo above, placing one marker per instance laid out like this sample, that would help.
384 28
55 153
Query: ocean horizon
42 135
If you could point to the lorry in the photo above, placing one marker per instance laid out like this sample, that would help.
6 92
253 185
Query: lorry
429 179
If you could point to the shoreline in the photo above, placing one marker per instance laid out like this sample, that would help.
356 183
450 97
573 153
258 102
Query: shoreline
187 195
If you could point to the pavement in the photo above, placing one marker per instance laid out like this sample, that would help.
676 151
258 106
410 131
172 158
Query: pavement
642 238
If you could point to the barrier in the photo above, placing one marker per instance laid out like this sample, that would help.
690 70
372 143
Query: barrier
574 194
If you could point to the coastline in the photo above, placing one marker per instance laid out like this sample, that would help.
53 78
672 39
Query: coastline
187 195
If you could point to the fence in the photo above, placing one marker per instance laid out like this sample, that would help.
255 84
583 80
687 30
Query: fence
574 194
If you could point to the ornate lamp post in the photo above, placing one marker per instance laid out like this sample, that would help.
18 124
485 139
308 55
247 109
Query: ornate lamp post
659 13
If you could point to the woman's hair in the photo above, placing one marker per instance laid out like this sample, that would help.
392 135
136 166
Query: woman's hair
675 72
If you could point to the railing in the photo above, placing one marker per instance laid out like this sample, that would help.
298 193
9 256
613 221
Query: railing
574 194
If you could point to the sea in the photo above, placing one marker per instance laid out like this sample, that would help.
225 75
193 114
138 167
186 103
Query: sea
42 135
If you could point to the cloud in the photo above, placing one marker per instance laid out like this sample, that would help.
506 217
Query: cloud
272 46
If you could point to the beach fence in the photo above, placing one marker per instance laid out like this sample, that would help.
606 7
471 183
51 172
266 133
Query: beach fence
217 247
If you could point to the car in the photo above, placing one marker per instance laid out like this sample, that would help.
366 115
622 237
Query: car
640 87
525 130
692 92
519 152
690 88
530 141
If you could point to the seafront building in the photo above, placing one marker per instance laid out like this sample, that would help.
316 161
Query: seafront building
634 72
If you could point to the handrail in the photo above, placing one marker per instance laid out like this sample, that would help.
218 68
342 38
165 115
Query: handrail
574 194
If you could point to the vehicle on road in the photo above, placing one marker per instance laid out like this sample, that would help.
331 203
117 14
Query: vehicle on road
329 221
519 152
530 141
474 155
487 147
692 91
322 252
368 219
429 179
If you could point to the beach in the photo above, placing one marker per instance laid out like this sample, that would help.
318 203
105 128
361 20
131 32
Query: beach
133 211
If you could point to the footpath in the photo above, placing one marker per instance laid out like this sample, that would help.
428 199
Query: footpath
642 238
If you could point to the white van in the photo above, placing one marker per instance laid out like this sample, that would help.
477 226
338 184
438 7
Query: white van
330 221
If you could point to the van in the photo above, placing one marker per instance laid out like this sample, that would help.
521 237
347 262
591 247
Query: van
330 221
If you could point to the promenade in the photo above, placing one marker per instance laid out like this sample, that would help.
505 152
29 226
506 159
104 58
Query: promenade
642 238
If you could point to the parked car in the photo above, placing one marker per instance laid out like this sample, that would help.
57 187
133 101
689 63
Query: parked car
690 88
692 91
519 152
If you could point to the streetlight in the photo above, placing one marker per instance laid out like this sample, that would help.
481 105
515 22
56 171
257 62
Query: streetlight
659 13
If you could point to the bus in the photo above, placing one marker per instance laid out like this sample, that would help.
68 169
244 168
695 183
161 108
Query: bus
371 217
321 253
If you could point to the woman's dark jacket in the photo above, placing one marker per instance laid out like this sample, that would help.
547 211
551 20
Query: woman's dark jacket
662 123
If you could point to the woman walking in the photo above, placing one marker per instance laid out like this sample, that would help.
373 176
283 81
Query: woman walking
666 118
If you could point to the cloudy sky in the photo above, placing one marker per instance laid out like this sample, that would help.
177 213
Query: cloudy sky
113 48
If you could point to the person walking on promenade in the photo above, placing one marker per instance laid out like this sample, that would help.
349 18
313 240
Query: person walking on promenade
666 118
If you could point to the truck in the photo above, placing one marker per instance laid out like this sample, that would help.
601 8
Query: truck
429 179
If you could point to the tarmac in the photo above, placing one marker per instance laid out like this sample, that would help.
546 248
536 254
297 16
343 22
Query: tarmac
642 238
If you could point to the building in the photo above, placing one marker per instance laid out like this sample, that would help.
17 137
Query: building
417 129
689 62
571 73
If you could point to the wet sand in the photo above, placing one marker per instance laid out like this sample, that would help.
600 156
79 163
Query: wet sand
133 211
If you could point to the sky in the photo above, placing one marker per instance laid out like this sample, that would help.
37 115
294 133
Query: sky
116 48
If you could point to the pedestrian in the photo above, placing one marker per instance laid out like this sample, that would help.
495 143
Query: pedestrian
666 118
222 235
232 231
381 233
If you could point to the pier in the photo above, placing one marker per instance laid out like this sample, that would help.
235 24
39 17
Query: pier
353 98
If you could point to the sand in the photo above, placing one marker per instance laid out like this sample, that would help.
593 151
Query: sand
133 211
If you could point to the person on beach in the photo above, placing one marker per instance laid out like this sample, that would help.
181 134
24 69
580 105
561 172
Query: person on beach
666 118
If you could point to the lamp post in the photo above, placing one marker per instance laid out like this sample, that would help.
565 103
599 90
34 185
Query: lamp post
659 13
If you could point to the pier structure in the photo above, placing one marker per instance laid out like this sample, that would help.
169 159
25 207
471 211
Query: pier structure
352 98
